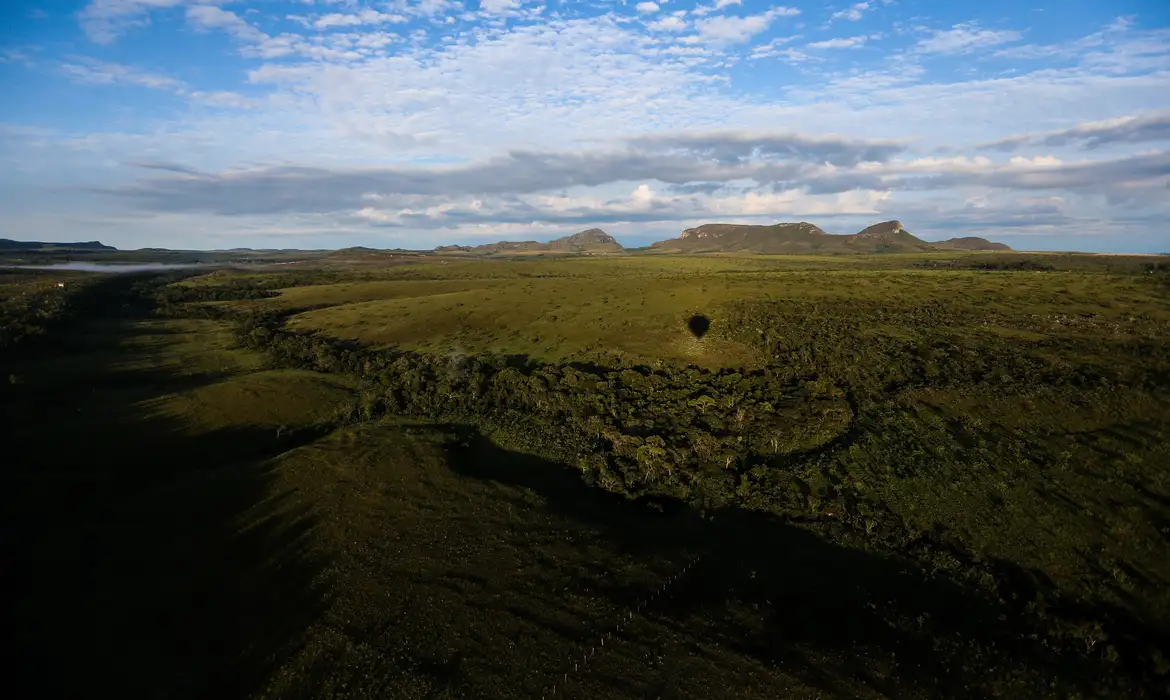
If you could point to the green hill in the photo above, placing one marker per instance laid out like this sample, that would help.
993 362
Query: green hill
971 243
592 240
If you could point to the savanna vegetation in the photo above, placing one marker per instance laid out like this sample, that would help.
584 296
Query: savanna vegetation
940 475
33 301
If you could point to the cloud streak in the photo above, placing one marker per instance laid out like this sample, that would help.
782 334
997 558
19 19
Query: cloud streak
682 176
275 189
103 21
94 72
735 30
965 38
852 13
1090 135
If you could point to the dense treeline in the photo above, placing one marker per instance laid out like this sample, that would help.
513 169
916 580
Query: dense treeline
173 299
34 305
38 309
636 430
32 311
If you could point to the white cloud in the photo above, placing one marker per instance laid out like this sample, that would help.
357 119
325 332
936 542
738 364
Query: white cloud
104 20
1128 129
642 205
740 29
647 8
668 24
206 17
224 98
94 72
499 7
852 42
425 8
704 10
853 13
964 38
775 49
15 56
789 55
365 17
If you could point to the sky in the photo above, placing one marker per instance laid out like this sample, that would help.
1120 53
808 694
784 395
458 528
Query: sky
205 124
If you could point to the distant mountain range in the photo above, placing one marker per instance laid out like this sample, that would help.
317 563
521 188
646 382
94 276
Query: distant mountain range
8 244
803 237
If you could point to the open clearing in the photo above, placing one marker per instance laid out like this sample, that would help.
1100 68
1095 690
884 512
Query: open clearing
633 310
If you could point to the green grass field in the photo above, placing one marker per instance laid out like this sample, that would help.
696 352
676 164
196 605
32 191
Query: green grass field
874 476
633 310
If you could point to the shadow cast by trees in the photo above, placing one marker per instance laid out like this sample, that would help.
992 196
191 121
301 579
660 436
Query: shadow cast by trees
144 559
830 614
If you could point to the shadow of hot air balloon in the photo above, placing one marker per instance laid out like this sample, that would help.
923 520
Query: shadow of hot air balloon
699 325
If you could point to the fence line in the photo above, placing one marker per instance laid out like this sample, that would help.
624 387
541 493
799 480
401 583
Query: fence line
578 663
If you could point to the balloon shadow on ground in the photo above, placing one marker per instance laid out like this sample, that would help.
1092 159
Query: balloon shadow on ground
699 325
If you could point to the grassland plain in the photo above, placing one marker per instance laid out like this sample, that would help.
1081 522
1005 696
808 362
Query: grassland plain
931 476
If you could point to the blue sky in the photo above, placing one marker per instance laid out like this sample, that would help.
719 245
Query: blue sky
329 123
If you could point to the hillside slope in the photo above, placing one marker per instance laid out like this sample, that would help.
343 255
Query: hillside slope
971 243
886 237
592 240
781 238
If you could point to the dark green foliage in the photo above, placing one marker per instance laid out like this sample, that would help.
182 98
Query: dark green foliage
33 303
31 312
865 346
171 295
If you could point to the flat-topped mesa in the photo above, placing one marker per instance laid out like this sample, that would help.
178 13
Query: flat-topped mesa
8 244
792 238
718 230
971 243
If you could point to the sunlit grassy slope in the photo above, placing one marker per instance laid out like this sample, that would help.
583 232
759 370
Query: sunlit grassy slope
634 309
